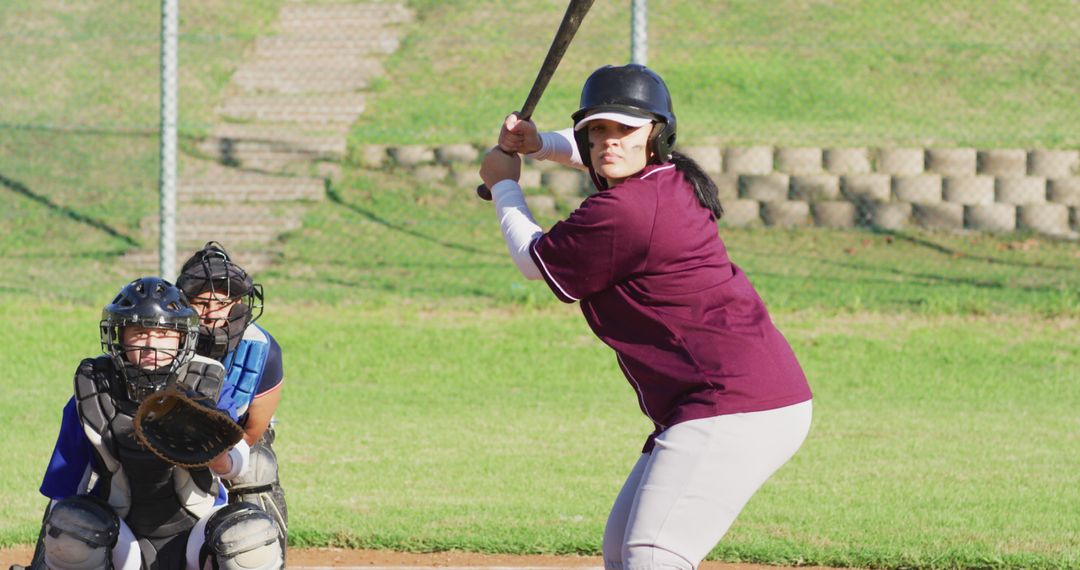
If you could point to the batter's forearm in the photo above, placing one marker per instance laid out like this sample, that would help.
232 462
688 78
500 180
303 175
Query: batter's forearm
518 227
559 146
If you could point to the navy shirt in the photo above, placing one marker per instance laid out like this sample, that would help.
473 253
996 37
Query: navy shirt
654 282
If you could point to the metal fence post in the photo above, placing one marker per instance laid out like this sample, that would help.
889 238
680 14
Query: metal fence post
639 50
167 181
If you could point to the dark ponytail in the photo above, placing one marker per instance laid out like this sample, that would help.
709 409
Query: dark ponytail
704 187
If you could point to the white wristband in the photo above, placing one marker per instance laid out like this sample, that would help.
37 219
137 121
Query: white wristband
238 457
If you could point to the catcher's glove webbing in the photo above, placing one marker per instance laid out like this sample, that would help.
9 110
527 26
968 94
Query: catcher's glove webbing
183 426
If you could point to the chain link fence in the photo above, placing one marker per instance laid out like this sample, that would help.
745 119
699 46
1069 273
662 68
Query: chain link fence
905 152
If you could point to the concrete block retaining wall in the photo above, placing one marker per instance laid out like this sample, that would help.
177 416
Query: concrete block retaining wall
943 189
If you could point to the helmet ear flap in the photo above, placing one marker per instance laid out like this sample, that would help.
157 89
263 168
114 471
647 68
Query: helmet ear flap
663 141
581 137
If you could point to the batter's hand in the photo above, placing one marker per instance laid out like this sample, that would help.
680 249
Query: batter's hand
519 136
500 165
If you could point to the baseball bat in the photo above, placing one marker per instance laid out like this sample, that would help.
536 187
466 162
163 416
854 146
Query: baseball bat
571 21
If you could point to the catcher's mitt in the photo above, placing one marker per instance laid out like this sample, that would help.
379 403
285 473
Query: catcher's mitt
185 427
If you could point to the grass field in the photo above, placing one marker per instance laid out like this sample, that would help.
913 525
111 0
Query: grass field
425 411
939 441
800 72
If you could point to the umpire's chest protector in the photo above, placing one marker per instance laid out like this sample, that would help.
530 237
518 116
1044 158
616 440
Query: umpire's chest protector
245 365
155 498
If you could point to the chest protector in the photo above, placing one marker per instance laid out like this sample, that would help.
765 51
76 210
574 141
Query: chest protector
155 498
245 368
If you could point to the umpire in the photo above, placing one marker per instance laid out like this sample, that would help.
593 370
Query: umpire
229 303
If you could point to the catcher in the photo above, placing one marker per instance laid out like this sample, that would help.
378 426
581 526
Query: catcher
229 302
119 495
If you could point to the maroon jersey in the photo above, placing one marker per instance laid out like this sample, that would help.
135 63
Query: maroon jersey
654 281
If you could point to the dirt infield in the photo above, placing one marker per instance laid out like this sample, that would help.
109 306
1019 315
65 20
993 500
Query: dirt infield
338 558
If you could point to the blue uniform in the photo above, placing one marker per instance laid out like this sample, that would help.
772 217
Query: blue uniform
69 469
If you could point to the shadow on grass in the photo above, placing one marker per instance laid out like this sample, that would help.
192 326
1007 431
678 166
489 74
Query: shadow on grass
875 275
385 286
915 277
79 130
953 252
334 197
101 255
23 190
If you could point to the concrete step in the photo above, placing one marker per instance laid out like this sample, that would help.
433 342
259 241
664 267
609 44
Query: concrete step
321 108
253 260
325 61
234 223
332 16
327 50
284 161
259 217
241 144
306 76
274 162
313 66
326 45
237 233
217 183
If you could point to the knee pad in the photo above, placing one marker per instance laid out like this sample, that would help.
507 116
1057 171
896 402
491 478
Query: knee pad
259 485
80 533
262 469
242 536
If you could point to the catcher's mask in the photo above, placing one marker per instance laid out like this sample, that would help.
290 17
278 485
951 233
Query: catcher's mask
630 90
150 303
212 270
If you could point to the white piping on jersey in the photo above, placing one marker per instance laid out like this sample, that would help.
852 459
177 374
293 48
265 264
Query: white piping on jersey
544 268
270 391
637 388
668 167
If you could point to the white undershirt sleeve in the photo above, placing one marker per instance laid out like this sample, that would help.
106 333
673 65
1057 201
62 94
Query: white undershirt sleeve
518 227
559 146
239 458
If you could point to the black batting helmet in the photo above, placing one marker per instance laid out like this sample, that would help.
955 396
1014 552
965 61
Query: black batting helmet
633 90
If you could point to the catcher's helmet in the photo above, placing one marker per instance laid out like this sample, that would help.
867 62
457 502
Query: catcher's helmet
152 303
633 90
211 269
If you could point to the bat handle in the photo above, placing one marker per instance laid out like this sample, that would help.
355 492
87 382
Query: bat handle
482 190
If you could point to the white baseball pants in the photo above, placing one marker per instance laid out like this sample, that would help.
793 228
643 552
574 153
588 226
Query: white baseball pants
681 498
